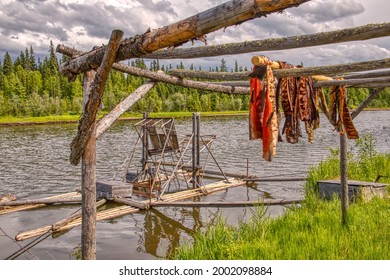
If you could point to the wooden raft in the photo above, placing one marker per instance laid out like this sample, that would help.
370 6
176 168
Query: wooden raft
124 210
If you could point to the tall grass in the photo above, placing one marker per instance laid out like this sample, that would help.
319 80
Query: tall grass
313 230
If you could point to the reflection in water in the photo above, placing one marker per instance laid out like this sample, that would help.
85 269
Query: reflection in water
34 162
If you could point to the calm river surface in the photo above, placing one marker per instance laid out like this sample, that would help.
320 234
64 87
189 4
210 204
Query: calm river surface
34 162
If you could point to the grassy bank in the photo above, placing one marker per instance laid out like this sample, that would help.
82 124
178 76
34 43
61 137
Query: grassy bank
9 120
314 230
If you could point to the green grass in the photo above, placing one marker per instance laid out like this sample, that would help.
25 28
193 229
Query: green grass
74 118
314 230
303 233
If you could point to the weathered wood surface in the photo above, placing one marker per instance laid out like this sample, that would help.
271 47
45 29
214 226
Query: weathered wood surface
56 226
370 74
224 15
96 92
162 77
7 197
331 70
225 203
364 32
353 82
62 200
374 93
125 210
123 106
131 202
10 209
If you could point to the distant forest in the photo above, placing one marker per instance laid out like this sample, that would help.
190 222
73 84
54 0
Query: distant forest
31 87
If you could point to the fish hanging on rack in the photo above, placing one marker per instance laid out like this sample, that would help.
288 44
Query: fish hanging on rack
339 113
263 115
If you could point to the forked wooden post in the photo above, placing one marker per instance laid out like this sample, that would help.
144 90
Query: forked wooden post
84 144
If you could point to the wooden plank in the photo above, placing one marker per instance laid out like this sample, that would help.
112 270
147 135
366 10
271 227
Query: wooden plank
194 27
364 32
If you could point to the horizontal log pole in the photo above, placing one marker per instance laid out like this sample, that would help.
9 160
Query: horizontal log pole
353 82
294 72
161 77
221 204
359 33
287 179
222 16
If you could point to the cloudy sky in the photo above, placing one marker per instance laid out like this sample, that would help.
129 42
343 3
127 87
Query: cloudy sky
83 24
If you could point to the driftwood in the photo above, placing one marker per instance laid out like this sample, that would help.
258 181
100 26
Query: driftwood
91 108
194 27
131 202
365 32
225 203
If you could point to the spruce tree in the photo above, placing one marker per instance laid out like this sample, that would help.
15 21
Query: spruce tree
8 66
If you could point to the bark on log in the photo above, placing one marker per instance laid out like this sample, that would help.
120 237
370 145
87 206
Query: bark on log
122 107
41 201
224 15
91 108
365 75
364 32
353 82
330 70
161 77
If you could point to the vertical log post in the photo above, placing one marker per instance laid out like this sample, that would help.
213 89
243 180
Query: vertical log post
344 178
197 117
84 145
194 150
88 184
145 143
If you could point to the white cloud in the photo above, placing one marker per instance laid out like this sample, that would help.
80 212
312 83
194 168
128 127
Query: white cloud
84 24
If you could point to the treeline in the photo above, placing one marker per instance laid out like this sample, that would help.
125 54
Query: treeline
32 87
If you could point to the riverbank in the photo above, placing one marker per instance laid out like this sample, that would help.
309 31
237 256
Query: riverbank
69 119
313 231
65 119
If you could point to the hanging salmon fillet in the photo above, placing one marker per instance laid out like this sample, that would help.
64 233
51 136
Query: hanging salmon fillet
256 103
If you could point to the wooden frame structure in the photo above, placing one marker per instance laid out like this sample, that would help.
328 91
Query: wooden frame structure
96 64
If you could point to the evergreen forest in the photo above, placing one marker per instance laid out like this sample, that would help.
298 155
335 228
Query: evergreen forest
32 87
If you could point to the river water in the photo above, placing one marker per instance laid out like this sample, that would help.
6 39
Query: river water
34 162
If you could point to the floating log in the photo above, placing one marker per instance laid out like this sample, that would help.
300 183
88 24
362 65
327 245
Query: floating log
56 226
10 209
364 32
287 179
221 204
194 27
124 210
131 202
63 200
